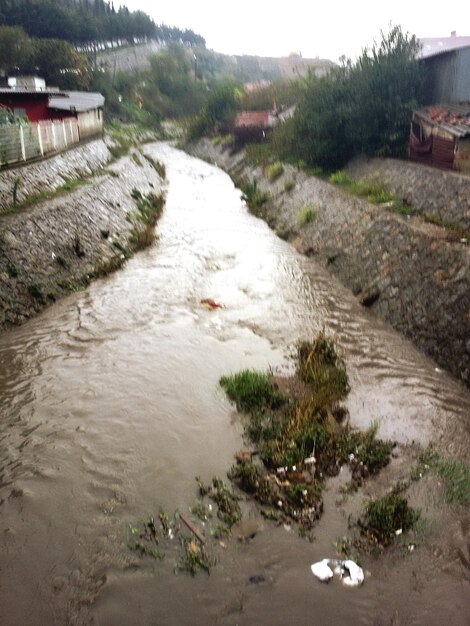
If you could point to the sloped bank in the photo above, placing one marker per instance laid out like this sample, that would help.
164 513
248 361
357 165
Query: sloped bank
58 245
413 274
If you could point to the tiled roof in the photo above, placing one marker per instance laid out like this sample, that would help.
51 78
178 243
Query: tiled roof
246 119
455 119
79 101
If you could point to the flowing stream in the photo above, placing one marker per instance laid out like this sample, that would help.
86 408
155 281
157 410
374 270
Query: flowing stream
110 406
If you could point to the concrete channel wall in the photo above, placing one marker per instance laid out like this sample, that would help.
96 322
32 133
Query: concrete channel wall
413 274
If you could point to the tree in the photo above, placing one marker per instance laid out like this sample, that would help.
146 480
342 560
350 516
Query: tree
60 64
358 107
15 48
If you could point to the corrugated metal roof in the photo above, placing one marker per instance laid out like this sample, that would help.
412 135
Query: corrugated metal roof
432 46
30 92
79 101
453 118
246 119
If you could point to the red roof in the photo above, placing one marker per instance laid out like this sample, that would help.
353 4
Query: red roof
247 119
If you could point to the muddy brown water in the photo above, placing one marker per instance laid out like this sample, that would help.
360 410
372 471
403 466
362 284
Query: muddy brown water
110 406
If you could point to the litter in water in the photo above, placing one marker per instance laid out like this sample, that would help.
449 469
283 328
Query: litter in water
211 304
350 573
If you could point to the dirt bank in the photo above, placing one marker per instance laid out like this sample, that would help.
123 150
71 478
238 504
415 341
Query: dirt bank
413 274
58 245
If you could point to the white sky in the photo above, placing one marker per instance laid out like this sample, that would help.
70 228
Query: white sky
325 29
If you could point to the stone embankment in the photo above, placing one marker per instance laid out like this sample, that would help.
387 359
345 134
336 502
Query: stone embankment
47 175
413 274
439 195
58 245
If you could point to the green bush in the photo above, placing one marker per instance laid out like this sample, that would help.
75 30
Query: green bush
273 171
307 214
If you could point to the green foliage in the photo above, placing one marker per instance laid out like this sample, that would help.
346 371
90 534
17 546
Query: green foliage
357 108
385 516
253 196
251 391
194 558
319 365
307 214
454 473
85 21
12 270
35 291
216 113
15 47
280 93
273 171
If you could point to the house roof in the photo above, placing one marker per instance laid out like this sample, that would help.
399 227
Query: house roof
453 118
79 101
30 92
432 46
247 119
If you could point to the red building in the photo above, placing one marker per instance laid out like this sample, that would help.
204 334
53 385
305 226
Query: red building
28 103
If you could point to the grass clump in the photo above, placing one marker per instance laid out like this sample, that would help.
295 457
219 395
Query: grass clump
273 171
135 157
158 166
454 473
150 207
35 292
12 270
387 517
307 215
373 191
254 197
456 476
289 185
194 557
319 365
251 391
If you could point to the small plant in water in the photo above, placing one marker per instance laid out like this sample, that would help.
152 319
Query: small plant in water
387 517
251 391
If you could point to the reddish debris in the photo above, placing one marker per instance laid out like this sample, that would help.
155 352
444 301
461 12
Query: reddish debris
211 304
441 115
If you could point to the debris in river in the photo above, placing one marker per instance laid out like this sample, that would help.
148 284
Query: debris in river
350 573
211 304
300 440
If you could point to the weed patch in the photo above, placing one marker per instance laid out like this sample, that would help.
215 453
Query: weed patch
254 197
319 365
12 270
35 291
251 391
289 185
273 171
454 473
387 517
158 166
299 435
307 215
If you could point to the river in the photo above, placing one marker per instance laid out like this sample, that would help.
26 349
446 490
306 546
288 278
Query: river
110 406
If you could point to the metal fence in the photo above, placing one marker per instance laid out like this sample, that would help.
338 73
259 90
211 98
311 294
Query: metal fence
22 143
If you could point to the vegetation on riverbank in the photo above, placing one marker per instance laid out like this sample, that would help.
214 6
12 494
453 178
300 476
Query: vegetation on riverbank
300 435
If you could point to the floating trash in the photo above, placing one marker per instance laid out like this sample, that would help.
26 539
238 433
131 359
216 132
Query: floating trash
350 573
211 304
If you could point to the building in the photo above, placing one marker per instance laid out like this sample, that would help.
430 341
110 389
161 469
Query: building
86 107
55 120
447 63
440 136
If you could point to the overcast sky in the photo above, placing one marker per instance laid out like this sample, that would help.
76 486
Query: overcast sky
326 29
